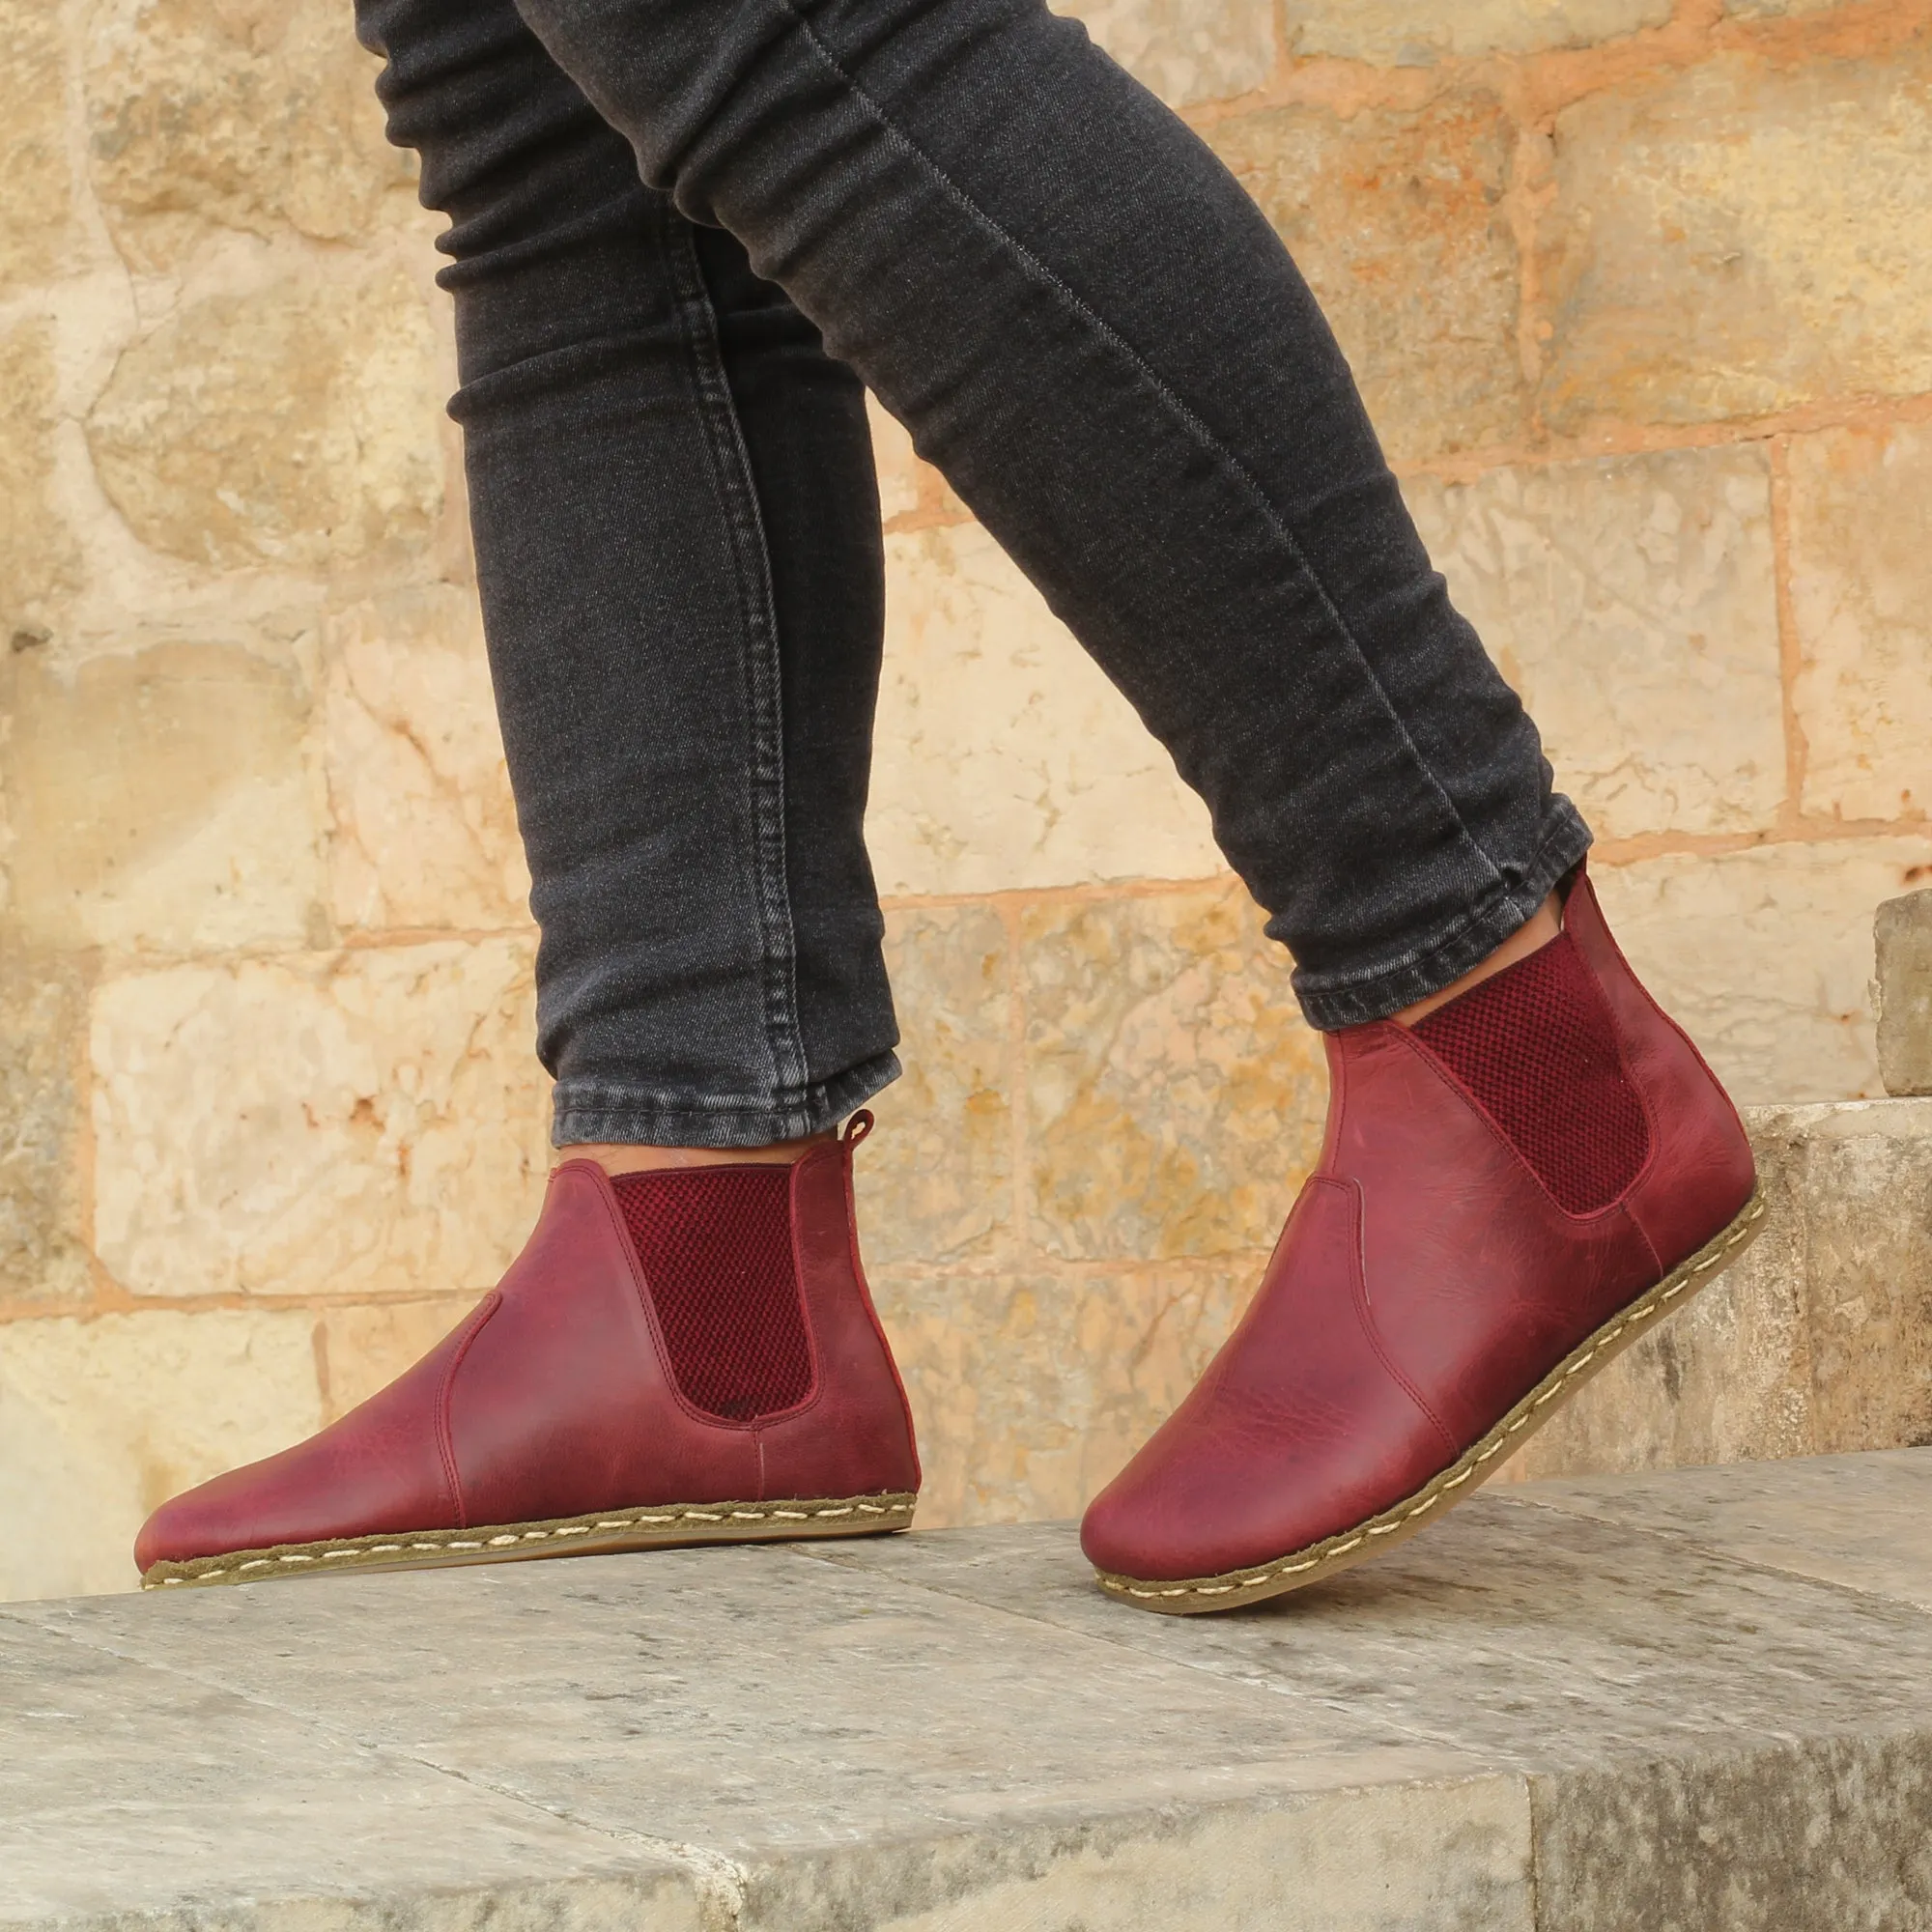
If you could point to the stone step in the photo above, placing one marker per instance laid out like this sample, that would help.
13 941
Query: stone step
1700 1701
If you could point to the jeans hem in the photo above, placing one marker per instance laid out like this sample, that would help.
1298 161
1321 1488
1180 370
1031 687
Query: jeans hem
1365 996
603 1110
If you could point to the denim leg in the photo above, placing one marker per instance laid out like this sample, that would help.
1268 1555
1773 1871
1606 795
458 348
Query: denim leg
1087 325
678 555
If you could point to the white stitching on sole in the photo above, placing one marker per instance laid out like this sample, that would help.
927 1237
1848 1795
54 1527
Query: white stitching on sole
642 1519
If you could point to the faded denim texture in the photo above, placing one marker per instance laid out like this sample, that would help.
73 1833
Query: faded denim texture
684 233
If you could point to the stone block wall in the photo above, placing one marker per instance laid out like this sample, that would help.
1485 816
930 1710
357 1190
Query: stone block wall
1640 293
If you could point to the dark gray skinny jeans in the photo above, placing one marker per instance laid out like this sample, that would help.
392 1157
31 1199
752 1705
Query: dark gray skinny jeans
684 233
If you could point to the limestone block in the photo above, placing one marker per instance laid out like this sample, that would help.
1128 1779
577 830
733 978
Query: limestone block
1763 956
1030 1391
297 425
43 1119
159 800
1835 1518
1175 1096
260 115
1633 603
101 1420
39 562
822 1749
1863 1182
1902 936
1737 238
1417 33
935 1183
1185 51
1669 1843
424 829
363 1123
141 1795
361 1350
1861 528
1523 1635
1004 756
1396 219
37 205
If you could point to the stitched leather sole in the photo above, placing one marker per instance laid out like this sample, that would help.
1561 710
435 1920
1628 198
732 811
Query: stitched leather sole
1191 1595
599 1533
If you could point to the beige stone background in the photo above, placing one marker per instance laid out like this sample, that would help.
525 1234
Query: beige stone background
1640 293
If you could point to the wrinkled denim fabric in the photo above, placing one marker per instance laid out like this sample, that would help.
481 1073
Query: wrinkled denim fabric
686 237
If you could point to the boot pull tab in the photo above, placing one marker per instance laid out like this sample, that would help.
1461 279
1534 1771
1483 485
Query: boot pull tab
857 1128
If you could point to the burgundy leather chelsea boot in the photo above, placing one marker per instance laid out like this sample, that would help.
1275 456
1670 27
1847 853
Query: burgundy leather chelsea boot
679 1357
1508 1193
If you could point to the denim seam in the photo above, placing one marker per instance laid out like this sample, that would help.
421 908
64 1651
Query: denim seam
597 1110
763 676
1165 394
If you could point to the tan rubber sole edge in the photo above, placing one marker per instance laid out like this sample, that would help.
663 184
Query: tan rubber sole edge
599 1533
1298 1569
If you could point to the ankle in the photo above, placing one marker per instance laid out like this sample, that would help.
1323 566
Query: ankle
618 1158
1544 926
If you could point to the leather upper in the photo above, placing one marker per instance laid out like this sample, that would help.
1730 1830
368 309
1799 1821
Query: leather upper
1423 1284
552 1398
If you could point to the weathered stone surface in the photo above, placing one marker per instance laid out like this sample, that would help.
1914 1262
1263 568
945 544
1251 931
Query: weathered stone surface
1861 1174
1174 1095
785 1724
1737 1843
1861 524
935 1184
1433 1741
1633 606
1902 987
363 1123
100 1420
1403 33
1003 756
361 1350
159 800
1765 956
296 425
1727 1378
423 827
1530 1639
37 205
260 115
1397 220
39 562
128 1790
1737 238
1832 1518
43 1119
1030 1391
1185 51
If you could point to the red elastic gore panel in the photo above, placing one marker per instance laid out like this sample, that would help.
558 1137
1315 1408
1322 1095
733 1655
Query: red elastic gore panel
1537 1046
715 1245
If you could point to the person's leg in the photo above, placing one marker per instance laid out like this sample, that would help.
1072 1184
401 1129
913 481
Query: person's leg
678 552
678 555
1092 331
1094 335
